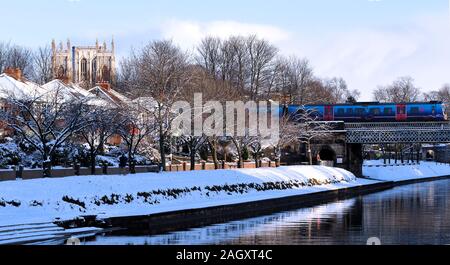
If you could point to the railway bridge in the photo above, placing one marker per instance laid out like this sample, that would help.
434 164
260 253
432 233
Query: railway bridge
344 147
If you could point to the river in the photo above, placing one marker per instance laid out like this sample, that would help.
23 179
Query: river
412 214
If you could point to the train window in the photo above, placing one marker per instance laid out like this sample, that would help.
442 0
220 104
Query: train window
375 111
401 110
388 111
359 111
414 110
349 111
341 112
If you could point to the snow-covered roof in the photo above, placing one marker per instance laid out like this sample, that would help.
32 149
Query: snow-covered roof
146 102
10 87
18 89
71 91
64 91
110 95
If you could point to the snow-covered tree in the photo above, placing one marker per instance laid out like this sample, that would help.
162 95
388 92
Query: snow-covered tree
242 143
289 134
45 121
135 123
301 127
310 128
194 144
101 125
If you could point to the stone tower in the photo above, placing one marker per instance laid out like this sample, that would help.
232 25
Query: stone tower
87 66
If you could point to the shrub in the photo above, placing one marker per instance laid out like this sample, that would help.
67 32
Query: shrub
74 201
10 155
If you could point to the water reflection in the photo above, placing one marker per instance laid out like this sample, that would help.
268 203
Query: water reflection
414 214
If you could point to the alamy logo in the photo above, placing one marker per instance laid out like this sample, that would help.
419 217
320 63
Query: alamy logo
232 118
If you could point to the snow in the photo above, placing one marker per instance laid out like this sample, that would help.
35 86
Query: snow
71 91
109 95
41 199
112 161
12 87
375 169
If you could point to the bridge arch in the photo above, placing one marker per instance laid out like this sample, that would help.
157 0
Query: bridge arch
430 155
327 153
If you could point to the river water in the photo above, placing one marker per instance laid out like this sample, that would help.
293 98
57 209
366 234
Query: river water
413 214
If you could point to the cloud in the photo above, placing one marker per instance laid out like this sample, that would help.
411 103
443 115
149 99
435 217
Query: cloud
364 57
189 33
369 57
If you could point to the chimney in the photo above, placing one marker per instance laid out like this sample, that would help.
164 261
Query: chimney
104 85
15 73
65 80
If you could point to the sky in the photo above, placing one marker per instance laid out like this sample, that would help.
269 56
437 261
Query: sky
366 42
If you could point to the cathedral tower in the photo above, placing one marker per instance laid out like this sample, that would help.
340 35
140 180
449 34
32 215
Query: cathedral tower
87 66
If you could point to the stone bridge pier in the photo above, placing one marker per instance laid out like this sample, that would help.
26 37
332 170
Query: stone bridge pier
336 152
342 155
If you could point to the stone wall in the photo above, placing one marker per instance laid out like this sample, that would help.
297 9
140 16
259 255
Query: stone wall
210 166
6 175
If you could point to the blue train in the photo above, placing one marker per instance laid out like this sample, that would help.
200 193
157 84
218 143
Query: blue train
374 112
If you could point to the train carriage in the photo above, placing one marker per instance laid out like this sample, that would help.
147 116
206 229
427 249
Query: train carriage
374 112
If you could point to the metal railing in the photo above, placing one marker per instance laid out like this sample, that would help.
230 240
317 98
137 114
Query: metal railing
404 132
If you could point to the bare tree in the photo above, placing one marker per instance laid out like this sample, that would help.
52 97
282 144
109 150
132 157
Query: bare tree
401 90
42 61
261 55
21 58
339 91
238 58
443 95
159 71
212 90
210 55
246 62
4 49
127 79
14 56
294 77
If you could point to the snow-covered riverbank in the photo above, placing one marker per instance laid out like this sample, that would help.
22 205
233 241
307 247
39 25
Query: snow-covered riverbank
375 169
45 200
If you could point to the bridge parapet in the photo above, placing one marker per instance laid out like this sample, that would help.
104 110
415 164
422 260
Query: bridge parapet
402 132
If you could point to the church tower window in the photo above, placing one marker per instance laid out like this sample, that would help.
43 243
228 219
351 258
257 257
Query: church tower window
84 70
61 72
